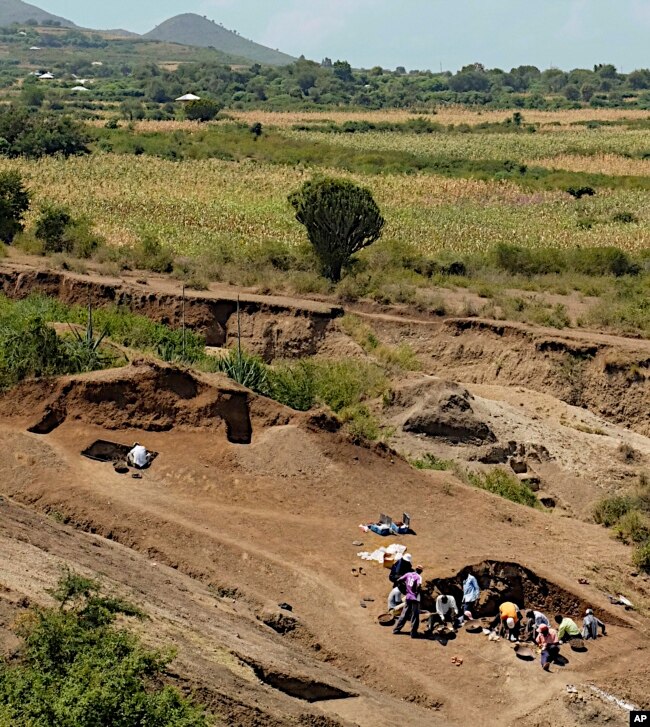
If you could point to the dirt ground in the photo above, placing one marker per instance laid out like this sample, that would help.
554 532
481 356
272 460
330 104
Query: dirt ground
217 534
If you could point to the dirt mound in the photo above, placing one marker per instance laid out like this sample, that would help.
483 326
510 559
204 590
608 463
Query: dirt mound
442 409
149 396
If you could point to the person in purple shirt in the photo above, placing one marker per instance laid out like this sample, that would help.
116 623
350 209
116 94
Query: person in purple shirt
413 583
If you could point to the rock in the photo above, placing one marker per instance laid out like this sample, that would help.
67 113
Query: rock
446 412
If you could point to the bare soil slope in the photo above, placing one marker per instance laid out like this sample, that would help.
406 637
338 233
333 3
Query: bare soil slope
275 521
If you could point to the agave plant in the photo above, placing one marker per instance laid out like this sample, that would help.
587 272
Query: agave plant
84 350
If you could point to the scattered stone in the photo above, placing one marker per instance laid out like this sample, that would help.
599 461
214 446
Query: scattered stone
357 543
285 606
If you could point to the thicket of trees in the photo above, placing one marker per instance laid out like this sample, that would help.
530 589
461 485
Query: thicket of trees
34 134
306 83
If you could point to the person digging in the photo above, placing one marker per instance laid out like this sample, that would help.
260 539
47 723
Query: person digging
139 457
549 643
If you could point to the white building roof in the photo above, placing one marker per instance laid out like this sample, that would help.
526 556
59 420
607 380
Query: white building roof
46 77
189 97
79 88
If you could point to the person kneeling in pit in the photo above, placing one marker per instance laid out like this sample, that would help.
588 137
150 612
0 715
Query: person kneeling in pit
446 612
138 457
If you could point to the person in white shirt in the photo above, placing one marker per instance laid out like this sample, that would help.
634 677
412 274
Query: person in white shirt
395 599
138 457
446 612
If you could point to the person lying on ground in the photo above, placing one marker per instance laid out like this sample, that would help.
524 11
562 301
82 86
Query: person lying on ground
413 582
446 612
548 642
400 568
567 628
508 620
138 457
395 598
530 628
590 626
471 593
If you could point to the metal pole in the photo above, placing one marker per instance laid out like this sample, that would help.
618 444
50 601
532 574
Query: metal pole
183 317
238 330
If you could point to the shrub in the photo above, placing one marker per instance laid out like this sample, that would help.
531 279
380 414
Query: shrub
633 527
202 110
60 232
37 134
610 510
431 462
360 422
14 202
625 218
294 385
51 227
602 261
580 192
502 483
641 557
150 255
77 668
341 219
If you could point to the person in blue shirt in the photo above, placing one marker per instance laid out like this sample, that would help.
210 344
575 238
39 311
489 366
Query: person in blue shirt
471 593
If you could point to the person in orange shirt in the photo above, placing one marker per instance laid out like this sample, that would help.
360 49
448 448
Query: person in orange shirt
549 643
508 620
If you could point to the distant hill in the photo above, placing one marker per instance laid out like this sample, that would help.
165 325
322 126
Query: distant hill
16 11
192 29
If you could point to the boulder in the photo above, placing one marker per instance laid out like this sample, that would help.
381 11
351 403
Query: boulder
446 412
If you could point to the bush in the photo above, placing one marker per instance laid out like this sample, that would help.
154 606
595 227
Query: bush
431 462
610 510
37 134
633 527
77 668
51 227
150 255
203 110
341 219
502 483
294 385
60 232
641 557
602 261
14 202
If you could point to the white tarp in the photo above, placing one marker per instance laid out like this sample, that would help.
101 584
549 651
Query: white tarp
378 555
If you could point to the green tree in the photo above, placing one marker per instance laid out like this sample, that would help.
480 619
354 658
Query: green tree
51 227
341 219
14 202
202 110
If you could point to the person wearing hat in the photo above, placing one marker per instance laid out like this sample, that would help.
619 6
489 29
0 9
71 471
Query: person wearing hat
400 568
413 583
590 625
508 620
549 643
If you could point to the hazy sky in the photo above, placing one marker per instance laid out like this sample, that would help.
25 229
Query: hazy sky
412 33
